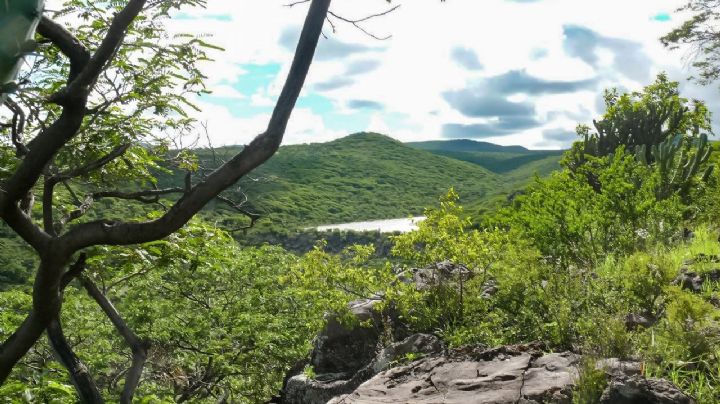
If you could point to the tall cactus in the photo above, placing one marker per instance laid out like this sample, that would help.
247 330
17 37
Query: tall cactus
18 21
678 172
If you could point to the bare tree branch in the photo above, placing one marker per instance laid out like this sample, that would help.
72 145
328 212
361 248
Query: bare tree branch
138 346
148 196
46 293
79 374
17 127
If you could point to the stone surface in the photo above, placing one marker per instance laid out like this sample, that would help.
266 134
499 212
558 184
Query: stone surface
434 275
300 389
345 350
638 390
491 377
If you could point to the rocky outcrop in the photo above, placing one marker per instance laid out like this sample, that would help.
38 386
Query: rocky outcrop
343 357
636 389
507 375
300 389
693 280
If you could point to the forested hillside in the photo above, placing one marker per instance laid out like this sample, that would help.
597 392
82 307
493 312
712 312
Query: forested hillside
368 176
511 160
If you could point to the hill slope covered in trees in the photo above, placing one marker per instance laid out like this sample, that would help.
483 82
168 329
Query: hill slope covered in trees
360 177
370 176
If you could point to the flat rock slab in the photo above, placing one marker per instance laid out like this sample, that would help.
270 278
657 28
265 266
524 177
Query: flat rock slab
500 380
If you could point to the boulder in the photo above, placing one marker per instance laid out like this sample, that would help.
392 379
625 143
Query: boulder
343 350
638 390
508 375
300 389
439 273
694 281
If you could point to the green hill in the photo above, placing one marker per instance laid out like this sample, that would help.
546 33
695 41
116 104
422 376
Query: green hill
465 145
496 158
360 177
368 176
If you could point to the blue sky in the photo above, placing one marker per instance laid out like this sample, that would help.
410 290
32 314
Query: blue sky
510 72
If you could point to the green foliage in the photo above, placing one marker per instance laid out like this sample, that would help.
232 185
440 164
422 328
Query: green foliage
329 282
507 160
641 119
591 383
698 33
568 219
228 318
309 372
363 176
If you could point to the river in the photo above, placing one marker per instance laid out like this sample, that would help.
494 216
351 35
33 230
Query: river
383 226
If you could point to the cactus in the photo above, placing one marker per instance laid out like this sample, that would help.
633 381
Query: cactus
678 172
18 21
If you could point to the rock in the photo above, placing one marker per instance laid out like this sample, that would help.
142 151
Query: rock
550 378
509 375
693 281
419 344
489 289
636 389
505 375
434 275
345 350
300 389
634 320
615 367
689 280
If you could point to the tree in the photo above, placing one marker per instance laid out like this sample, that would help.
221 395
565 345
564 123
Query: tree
700 34
97 97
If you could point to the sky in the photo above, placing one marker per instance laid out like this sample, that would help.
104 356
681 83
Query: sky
511 72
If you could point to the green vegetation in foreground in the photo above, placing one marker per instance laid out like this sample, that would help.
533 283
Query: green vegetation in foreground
360 177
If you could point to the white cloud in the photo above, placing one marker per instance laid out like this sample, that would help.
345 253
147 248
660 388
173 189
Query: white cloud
416 67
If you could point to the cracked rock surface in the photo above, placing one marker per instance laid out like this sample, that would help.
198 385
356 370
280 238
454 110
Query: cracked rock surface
507 375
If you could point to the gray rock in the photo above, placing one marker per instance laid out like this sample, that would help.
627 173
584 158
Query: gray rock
693 281
302 390
615 367
503 376
635 320
422 344
636 389
342 349
434 275
689 280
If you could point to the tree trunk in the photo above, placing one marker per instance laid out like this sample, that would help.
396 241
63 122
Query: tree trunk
79 374
46 306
